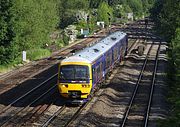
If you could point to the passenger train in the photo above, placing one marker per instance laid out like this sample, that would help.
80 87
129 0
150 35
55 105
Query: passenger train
78 75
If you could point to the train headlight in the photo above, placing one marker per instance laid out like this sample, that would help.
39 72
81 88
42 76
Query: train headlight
65 85
85 85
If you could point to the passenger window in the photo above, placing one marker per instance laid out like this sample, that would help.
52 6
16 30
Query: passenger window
108 60
115 53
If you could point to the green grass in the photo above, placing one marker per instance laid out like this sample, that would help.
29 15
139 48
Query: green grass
31 55
37 54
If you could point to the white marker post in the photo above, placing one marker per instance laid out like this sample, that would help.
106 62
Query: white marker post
24 55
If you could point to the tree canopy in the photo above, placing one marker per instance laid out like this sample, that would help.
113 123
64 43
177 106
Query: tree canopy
104 13
27 24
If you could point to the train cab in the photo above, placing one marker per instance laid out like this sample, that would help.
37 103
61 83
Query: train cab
75 78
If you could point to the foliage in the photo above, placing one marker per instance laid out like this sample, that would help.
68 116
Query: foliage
174 81
8 50
120 11
104 12
167 17
25 25
34 22
35 54
16 62
136 6
67 11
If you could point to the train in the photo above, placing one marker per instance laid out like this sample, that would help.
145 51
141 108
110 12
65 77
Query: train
80 74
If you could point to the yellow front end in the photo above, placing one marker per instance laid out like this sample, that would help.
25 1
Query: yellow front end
75 89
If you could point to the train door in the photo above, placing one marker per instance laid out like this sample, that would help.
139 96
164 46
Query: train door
94 74
99 72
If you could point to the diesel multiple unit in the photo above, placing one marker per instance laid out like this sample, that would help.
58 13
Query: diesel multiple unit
82 72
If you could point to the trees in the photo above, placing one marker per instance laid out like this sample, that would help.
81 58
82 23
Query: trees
34 21
7 47
104 12
167 16
136 6
25 25
68 9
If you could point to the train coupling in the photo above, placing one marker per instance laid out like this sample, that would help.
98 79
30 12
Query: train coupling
75 102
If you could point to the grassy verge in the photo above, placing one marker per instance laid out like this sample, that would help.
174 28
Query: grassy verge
37 54
31 55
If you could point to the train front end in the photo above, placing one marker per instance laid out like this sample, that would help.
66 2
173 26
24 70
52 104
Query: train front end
75 80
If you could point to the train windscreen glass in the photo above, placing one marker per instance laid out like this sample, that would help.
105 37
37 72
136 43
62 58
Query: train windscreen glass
74 73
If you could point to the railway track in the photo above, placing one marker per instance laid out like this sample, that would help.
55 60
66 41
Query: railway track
25 102
21 104
67 114
141 100
18 108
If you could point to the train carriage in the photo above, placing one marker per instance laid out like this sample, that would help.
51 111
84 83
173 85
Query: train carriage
80 73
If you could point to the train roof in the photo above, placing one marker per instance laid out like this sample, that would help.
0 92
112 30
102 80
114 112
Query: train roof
90 54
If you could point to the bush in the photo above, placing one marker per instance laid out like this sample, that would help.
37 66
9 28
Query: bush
11 65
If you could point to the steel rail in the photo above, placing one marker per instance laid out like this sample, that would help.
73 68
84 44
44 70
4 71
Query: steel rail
53 116
35 113
12 116
136 88
152 88
26 94
77 113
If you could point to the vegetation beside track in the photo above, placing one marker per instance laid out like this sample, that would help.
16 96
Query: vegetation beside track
166 16
30 25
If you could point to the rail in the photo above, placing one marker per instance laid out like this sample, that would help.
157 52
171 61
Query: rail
136 88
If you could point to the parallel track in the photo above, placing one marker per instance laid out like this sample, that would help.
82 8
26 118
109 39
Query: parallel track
129 107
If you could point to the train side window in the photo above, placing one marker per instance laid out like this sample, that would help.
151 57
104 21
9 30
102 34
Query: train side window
98 70
101 68
108 60
115 53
